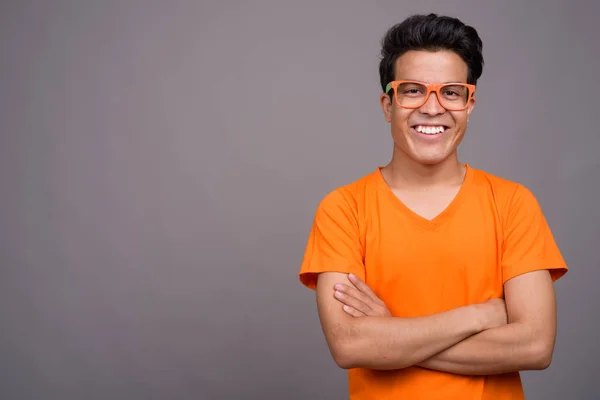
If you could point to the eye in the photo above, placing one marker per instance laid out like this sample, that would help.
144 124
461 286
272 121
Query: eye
454 91
412 90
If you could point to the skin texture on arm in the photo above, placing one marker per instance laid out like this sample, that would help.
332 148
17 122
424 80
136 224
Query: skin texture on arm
525 343
385 342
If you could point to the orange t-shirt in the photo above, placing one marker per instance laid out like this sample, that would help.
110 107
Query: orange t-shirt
492 231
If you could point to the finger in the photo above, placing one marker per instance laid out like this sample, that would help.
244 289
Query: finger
360 285
353 311
364 288
352 302
357 294
351 296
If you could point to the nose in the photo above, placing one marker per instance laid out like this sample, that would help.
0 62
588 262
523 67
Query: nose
432 105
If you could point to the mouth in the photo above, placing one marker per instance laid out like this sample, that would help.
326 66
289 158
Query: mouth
430 130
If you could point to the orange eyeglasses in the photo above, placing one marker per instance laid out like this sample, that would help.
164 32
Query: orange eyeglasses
413 94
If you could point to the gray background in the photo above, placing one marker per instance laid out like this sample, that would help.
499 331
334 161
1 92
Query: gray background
160 164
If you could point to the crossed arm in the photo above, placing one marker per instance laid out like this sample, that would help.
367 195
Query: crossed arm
481 339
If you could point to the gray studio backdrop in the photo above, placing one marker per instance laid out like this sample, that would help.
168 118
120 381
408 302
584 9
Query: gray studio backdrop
160 164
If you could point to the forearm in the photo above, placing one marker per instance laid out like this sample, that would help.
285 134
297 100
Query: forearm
394 343
512 347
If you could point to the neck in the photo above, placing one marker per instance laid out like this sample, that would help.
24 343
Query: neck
403 171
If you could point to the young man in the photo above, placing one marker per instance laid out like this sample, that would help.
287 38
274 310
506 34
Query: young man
434 280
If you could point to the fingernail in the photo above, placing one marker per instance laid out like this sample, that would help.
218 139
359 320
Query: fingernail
351 276
339 286
338 293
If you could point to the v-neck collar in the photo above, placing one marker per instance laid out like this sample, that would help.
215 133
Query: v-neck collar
438 220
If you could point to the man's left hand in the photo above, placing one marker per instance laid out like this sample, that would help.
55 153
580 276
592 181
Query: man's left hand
359 300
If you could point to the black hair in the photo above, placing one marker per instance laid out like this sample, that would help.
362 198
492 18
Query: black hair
431 32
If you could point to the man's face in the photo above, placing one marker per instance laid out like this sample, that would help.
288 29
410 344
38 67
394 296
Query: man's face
406 124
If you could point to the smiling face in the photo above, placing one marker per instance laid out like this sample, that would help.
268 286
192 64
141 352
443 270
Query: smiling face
430 134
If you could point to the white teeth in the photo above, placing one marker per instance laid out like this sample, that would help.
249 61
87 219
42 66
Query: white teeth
430 130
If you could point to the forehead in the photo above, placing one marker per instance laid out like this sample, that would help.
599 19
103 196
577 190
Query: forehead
431 66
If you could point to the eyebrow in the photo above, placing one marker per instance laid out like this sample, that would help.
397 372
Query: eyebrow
420 81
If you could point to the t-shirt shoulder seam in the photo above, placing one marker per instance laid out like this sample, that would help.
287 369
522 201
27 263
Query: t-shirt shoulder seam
511 187
352 189
497 179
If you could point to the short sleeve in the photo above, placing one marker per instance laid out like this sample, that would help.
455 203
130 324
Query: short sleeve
334 243
528 241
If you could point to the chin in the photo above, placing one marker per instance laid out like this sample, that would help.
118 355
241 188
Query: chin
430 159
427 150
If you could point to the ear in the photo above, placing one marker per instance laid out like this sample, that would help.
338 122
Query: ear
470 107
386 106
